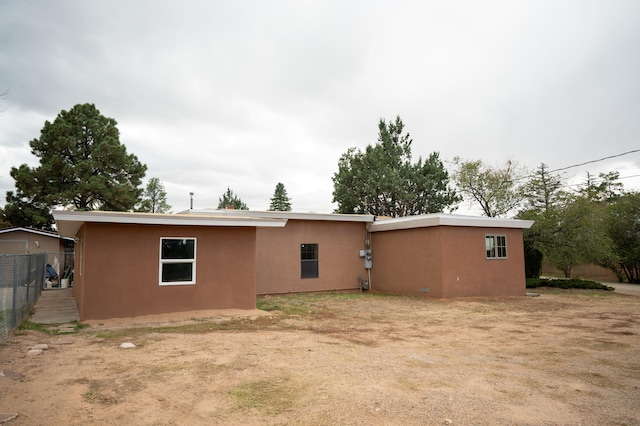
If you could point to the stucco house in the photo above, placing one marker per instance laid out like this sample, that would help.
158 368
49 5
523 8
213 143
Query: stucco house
59 250
21 240
130 264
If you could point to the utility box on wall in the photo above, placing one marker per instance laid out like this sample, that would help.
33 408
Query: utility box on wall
366 254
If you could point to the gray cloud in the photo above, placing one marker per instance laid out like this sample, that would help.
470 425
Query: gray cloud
247 94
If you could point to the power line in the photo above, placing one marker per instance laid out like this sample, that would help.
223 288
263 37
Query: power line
582 164
595 161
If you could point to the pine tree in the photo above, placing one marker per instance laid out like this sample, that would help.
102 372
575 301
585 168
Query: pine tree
154 198
231 201
280 200
82 164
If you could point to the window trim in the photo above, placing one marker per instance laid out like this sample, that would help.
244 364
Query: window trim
316 261
496 247
163 262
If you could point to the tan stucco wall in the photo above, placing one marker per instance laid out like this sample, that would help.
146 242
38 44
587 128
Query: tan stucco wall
467 271
21 242
339 244
407 261
448 261
119 267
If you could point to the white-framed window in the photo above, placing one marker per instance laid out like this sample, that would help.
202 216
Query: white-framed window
177 261
496 246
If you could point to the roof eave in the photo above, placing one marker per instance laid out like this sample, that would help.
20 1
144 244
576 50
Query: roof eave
430 220
70 222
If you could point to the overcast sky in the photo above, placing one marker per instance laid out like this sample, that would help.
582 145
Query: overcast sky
246 94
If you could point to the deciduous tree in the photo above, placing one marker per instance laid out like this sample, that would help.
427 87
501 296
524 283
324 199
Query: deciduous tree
623 227
494 189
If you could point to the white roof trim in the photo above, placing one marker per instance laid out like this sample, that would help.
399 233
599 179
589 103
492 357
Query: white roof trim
33 231
69 222
282 215
441 219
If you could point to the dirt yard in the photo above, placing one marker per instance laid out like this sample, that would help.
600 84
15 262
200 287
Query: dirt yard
564 358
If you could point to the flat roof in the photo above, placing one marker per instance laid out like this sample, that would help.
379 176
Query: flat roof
442 219
282 215
69 222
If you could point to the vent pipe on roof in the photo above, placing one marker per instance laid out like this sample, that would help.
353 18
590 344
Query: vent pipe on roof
191 201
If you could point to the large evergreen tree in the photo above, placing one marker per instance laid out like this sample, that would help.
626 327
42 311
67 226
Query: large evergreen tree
154 198
280 200
229 200
82 165
383 181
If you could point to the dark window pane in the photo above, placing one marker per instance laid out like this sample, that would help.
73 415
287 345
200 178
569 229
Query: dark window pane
309 260
308 251
175 272
309 269
178 248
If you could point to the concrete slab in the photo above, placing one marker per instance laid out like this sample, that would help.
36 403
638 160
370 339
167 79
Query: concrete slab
624 288
55 306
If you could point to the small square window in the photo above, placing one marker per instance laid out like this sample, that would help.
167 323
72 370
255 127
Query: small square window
309 260
496 246
177 261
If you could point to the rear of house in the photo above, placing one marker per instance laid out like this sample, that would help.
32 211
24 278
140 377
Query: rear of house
448 256
131 264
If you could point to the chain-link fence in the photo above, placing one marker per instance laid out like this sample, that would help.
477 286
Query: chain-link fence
22 277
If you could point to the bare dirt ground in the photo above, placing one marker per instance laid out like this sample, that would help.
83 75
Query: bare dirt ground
565 358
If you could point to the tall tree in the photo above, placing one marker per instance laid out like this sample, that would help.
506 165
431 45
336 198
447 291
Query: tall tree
4 223
154 198
544 197
82 164
383 181
606 188
280 200
623 227
495 189
229 200
578 236
543 190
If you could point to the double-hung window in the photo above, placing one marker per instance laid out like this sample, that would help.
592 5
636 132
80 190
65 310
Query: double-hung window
309 260
177 261
496 246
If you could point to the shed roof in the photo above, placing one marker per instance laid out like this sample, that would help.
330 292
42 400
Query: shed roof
69 222
442 219
41 232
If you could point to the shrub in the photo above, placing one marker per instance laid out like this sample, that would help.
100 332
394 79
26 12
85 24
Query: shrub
567 284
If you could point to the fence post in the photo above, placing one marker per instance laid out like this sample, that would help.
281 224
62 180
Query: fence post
14 314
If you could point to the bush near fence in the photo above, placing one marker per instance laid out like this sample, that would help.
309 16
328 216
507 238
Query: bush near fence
22 277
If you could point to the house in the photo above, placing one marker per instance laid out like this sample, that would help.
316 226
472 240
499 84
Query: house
130 264
21 240
447 256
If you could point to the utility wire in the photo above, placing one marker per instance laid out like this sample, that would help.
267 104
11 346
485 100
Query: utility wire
582 164
594 161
